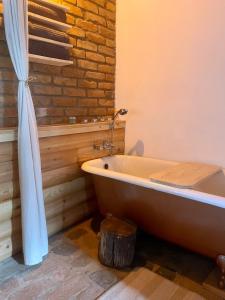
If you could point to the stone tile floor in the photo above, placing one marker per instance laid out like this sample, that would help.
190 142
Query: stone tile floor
72 271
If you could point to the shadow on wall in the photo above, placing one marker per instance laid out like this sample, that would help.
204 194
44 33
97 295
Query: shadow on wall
138 149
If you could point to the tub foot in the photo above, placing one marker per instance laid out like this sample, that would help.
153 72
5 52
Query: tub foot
221 264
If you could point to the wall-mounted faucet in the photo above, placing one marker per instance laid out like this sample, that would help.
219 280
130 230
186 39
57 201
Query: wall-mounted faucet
108 145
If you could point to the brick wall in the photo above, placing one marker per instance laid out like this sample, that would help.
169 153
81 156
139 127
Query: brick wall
85 89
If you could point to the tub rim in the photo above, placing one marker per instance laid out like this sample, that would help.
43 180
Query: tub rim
191 194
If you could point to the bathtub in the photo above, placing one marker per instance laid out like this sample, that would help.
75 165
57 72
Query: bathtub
192 218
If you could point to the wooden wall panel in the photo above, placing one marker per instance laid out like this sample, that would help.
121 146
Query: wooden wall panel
68 192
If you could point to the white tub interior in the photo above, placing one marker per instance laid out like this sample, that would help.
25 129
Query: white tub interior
136 170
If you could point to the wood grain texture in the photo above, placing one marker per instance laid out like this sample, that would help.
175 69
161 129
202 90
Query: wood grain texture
185 175
68 192
144 284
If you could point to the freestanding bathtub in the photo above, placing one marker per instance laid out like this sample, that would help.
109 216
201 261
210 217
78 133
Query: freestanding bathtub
193 218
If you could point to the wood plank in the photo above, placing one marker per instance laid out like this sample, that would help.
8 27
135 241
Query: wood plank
10 134
185 175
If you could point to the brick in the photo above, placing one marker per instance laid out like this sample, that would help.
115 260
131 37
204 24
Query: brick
110 60
110 94
40 101
110 77
96 93
85 64
100 2
111 25
106 32
7 75
98 111
8 87
62 101
106 69
86 25
86 45
78 111
8 112
95 75
49 111
87 84
68 91
46 90
5 62
106 102
88 102
110 43
45 69
74 10
110 6
68 81
73 72
95 57
95 18
107 14
41 78
106 50
87 5
76 31
78 53
70 19
106 85
96 38
7 100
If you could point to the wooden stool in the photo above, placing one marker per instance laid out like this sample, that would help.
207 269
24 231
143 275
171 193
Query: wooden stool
117 242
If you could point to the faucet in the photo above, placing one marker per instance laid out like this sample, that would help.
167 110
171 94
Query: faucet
108 145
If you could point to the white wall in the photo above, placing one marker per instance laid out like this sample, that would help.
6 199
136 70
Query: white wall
171 77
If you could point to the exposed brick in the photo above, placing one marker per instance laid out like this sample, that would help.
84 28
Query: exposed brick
86 45
107 14
68 91
106 69
106 50
106 32
96 93
110 6
95 18
86 25
79 111
110 60
73 72
87 5
106 85
64 101
100 2
76 31
110 43
59 80
46 90
84 89
96 38
98 111
87 84
85 64
78 53
88 102
106 102
95 75
95 57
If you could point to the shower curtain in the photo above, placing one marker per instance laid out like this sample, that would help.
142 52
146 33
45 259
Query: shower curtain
34 229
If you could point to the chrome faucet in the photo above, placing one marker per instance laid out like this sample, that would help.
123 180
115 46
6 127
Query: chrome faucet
108 145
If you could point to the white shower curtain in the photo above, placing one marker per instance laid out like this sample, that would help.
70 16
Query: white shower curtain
35 238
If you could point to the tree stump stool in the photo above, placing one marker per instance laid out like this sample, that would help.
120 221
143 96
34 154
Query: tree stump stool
117 242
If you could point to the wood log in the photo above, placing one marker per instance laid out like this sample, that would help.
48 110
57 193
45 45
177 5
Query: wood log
117 242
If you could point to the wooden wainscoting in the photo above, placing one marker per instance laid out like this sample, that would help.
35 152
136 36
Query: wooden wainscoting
69 193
